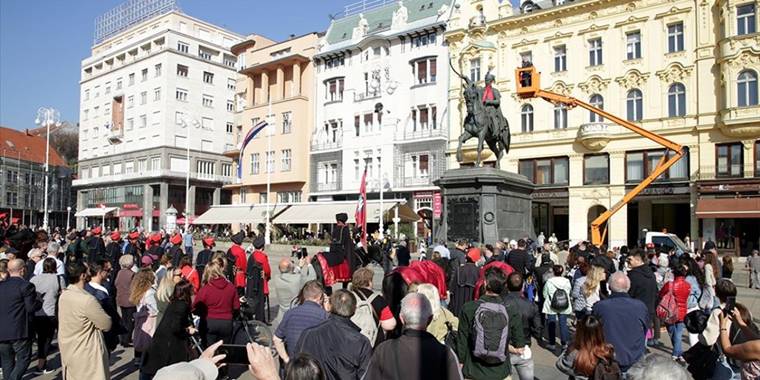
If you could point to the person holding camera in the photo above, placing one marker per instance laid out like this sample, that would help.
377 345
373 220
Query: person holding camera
290 280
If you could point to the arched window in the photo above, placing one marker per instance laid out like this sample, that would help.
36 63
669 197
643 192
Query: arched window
676 100
598 102
634 105
526 116
746 86
560 116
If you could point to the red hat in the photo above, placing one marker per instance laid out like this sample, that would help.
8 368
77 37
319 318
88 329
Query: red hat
208 241
115 236
96 230
473 254
650 245
146 260
155 237
176 239
134 235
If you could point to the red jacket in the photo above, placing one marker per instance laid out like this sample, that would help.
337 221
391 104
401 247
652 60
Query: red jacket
681 290
191 275
216 300
240 264
262 259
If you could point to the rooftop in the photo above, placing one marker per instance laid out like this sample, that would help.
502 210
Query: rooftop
17 144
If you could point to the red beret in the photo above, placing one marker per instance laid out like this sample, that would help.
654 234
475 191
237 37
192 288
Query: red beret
209 241
176 239
155 237
474 254
115 236
96 230
134 235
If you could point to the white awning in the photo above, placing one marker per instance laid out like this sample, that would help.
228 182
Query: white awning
95 211
232 214
324 212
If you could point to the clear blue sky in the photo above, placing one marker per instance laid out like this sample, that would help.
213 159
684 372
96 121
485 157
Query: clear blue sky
42 43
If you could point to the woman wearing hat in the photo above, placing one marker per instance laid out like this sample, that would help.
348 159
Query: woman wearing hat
204 256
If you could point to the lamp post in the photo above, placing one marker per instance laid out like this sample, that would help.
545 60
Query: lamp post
186 120
47 117
68 217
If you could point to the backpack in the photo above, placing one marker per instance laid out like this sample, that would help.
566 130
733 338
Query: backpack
365 315
560 300
667 308
606 370
490 331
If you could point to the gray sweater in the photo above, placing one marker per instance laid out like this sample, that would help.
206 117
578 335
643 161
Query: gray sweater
48 286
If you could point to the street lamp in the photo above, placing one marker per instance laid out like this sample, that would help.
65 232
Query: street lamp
47 117
186 120
68 217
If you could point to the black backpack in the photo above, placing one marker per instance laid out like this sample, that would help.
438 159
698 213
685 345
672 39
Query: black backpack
559 301
606 370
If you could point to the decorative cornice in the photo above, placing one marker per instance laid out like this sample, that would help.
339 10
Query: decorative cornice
631 20
524 42
557 36
632 79
593 28
744 59
675 72
561 87
672 12
594 84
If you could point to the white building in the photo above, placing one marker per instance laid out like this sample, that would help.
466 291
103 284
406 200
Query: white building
381 103
142 77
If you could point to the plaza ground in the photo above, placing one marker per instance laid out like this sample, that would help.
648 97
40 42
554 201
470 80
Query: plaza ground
122 367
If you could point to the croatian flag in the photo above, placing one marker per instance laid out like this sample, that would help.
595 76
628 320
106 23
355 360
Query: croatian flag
248 137
361 209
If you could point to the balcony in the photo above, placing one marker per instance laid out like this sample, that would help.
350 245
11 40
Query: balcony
740 122
594 136
408 133
329 186
358 97
419 181
324 144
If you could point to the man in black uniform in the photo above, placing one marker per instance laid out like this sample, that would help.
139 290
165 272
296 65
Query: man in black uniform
341 256
176 250
95 246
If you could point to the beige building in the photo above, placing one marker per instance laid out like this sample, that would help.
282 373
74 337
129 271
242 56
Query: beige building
280 76
686 70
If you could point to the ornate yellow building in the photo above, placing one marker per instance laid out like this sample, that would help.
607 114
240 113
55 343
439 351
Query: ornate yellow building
687 70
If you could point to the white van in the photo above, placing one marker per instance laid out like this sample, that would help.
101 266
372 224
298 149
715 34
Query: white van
671 241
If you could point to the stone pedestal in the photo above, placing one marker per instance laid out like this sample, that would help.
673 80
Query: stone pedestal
484 205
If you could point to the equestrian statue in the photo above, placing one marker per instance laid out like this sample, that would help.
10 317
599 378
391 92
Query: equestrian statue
484 119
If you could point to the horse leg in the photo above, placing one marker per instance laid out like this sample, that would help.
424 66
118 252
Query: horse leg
493 144
481 138
462 139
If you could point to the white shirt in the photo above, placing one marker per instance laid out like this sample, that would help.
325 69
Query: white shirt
58 266
98 286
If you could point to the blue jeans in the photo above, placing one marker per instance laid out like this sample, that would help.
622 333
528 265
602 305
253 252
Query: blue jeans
551 322
15 356
189 251
676 335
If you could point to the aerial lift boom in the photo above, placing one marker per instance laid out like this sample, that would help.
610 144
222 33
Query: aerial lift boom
528 86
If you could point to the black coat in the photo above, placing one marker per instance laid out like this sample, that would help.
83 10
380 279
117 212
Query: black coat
111 336
414 355
95 248
531 316
462 286
644 287
339 347
520 260
17 297
171 342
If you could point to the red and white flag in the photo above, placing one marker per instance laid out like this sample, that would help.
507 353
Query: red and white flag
361 209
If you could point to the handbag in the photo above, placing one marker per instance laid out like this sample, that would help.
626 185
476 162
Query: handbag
696 320
145 327
701 360
667 308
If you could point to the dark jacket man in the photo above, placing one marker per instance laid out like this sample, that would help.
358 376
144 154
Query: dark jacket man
625 325
520 260
529 314
17 297
414 355
644 287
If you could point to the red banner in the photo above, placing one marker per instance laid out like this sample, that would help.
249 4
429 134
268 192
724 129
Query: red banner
361 209
437 206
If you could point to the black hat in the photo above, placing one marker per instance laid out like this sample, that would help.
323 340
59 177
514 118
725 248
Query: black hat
341 217
238 237
259 242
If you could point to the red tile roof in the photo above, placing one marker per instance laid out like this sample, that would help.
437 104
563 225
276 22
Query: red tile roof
32 148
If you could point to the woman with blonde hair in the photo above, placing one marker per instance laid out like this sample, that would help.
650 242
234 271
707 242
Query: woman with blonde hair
586 291
142 293
165 291
443 319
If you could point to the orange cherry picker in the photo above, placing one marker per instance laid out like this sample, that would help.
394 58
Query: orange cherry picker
528 86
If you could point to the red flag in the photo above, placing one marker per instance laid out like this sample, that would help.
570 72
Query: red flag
361 209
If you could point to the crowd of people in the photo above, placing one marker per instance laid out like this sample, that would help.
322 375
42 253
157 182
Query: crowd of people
466 311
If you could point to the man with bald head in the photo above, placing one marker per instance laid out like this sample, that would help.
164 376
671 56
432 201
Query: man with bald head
17 297
625 321
289 282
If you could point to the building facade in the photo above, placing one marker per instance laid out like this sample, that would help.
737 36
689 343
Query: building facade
157 102
22 178
686 70
381 104
276 86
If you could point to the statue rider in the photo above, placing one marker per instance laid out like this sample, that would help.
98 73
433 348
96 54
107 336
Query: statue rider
492 102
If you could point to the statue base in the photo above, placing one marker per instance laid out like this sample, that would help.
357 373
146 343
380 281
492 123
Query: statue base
484 205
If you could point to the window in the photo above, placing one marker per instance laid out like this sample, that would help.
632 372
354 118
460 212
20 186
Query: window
675 37
97 91
230 106
286 159
560 59
335 62
596 169
641 164
204 54
207 124
287 122
745 19
226 170
130 124
143 121
255 164
182 71
155 163
475 70
108 88
205 169
157 70
545 171
595 52
676 100
633 45
208 77
423 40
598 102
560 116
157 94
143 97
11 176
131 79
368 122
183 47
144 75
757 158
229 61
634 105
228 128
208 101
270 161
230 84
263 197
289 196
118 84
181 95
746 86
87 94
334 90
729 160
11 198
130 101
424 70
526 118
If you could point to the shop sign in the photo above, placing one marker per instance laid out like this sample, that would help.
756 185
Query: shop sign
550 194
423 194
665 190
437 205
130 206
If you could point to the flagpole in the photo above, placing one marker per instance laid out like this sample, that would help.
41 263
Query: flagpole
270 122
382 185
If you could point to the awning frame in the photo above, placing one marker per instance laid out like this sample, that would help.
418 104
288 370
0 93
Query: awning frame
95 212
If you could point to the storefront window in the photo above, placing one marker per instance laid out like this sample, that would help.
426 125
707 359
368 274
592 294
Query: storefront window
545 171
728 160
757 158
634 166
596 169
641 164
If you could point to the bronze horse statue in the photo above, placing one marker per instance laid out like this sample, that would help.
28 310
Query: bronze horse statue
478 123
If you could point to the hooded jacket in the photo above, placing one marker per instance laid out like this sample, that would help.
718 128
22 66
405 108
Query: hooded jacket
216 300
644 287
681 291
